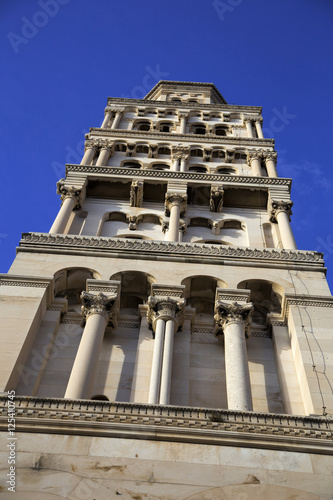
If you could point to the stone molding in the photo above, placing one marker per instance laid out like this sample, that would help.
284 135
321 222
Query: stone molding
180 152
227 313
151 134
30 282
170 174
99 304
71 243
174 423
280 206
304 301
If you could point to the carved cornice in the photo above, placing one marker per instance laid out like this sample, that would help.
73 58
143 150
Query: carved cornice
99 304
30 282
216 139
280 206
168 174
174 423
164 249
227 313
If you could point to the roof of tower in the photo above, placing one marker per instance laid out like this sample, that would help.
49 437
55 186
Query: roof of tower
182 86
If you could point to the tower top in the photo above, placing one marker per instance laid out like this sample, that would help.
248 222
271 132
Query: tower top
189 92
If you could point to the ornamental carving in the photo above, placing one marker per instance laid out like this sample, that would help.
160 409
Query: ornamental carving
165 226
175 199
69 192
227 313
132 222
136 194
180 152
90 144
216 199
280 206
165 308
207 154
270 155
99 304
182 226
230 156
152 151
253 155
183 115
130 149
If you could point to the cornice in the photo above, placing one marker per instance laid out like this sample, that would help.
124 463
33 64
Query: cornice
171 423
169 136
162 250
170 174
173 105
173 84
29 282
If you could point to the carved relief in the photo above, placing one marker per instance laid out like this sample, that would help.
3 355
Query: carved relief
69 192
166 308
99 304
132 222
216 199
280 206
172 199
136 194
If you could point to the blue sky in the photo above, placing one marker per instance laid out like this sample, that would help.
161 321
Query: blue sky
61 59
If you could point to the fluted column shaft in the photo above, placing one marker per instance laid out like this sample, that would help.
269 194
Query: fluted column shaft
167 362
155 377
237 367
64 213
83 373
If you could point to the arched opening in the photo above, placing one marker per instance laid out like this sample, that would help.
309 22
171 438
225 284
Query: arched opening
196 152
220 131
135 289
131 164
198 168
69 283
142 149
226 171
160 166
143 125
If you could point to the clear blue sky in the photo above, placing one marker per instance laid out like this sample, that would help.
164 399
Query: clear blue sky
61 61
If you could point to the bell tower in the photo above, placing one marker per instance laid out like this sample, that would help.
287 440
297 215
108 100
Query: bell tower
167 326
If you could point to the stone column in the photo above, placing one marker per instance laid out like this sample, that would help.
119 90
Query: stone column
183 160
183 117
117 118
71 198
98 311
155 376
254 161
165 314
89 153
175 163
104 154
233 319
175 204
270 158
107 118
248 123
258 122
280 214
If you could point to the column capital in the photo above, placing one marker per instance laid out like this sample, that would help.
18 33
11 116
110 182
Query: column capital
182 114
172 199
280 206
66 191
179 152
104 144
91 144
227 313
136 194
248 119
99 304
254 154
258 119
166 308
269 155
216 199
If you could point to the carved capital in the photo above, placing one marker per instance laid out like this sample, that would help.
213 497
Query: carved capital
99 304
166 308
90 144
179 152
183 115
227 313
136 194
248 119
269 155
253 155
258 119
280 206
69 192
216 199
172 199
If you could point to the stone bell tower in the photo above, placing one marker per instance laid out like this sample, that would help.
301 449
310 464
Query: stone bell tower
166 339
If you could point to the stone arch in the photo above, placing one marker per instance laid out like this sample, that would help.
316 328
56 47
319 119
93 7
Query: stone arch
112 223
200 292
70 282
135 288
266 297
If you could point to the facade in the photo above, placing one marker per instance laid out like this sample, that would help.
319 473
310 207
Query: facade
166 339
